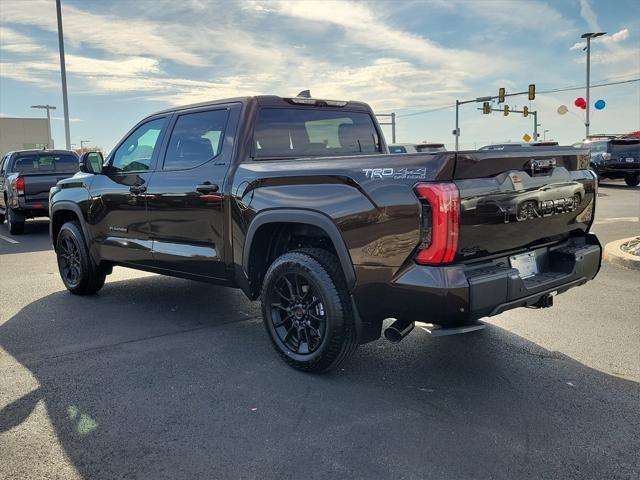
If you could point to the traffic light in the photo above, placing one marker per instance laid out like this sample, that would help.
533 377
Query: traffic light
501 94
532 91
486 107
506 110
525 112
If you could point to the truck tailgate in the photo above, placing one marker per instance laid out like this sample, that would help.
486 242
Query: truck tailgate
522 199
37 185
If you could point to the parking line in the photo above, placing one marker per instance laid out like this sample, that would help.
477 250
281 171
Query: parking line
617 219
7 239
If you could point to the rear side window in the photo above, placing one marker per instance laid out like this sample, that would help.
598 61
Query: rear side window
312 132
624 146
393 149
45 163
196 139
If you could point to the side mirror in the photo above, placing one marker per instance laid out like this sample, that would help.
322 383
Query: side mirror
91 162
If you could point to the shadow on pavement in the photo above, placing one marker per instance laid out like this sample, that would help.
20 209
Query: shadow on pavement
164 378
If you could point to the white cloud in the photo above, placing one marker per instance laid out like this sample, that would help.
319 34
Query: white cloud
589 16
15 42
118 35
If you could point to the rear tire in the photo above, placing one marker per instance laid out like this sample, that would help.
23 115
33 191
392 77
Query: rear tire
307 310
15 221
632 180
78 272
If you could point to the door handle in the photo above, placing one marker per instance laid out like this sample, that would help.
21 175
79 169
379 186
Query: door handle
136 189
207 188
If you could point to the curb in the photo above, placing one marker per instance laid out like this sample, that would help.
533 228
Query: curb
613 254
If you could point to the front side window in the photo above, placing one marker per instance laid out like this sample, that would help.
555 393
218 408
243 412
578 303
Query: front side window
136 152
313 132
196 139
44 163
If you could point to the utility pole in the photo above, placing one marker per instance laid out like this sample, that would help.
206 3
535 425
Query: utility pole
535 125
47 108
589 36
545 135
82 142
456 132
63 74
392 123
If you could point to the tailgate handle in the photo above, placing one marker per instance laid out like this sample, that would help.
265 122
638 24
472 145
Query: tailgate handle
541 166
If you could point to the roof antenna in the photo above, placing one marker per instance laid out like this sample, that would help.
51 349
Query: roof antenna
304 94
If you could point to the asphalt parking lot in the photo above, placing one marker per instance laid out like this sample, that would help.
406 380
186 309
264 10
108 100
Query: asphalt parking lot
165 378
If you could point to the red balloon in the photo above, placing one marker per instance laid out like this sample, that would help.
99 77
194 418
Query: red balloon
583 106
579 102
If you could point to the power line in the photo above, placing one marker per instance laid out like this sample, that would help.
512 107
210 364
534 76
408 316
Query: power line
554 90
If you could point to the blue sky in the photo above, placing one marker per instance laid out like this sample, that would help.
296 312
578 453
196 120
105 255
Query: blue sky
128 59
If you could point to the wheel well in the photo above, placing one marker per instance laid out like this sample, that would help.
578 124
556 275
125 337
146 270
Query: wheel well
58 220
274 239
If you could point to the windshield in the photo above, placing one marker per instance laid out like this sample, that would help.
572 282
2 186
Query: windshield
45 163
313 132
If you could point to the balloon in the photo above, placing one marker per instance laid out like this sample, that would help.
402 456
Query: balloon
600 104
562 109
579 101
583 106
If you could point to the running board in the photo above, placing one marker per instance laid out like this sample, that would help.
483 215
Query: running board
438 331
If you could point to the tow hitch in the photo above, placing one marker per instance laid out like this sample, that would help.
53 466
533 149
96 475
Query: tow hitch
545 301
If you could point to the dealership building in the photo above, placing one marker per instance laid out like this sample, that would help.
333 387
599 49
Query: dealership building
23 133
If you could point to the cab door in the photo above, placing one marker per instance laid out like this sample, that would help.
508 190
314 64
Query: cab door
185 196
117 215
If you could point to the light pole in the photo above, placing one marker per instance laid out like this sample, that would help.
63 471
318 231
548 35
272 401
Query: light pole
63 74
47 108
544 135
589 36
82 142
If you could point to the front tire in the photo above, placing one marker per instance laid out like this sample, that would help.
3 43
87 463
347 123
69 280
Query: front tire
15 222
307 310
632 180
78 271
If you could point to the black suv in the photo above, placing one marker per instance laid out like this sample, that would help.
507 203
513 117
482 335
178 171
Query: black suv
616 158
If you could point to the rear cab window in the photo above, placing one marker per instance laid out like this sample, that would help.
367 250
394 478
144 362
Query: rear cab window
313 132
45 163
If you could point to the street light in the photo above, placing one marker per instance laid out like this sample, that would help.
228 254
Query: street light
47 108
589 36
82 142
544 135
63 75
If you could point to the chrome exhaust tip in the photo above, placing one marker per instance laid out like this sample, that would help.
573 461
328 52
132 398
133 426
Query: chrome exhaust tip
398 330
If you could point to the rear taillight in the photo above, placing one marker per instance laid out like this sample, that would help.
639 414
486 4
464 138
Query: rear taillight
20 185
439 222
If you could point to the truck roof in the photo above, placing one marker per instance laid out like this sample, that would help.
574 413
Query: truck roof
265 100
40 151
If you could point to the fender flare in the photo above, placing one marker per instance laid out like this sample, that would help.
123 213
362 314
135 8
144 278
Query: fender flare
67 205
311 217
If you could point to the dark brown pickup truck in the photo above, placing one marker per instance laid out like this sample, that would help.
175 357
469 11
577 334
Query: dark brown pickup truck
297 202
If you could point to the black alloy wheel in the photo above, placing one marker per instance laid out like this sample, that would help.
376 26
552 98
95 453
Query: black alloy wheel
69 261
297 313
307 310
78 271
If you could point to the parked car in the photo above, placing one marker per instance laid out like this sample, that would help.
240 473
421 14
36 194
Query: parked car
616 158
26 176
417 147
296 202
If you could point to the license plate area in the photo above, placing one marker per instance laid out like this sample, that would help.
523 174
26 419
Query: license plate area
525 263
630 160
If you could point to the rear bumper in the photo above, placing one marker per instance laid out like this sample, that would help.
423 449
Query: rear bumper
617 170
460 294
